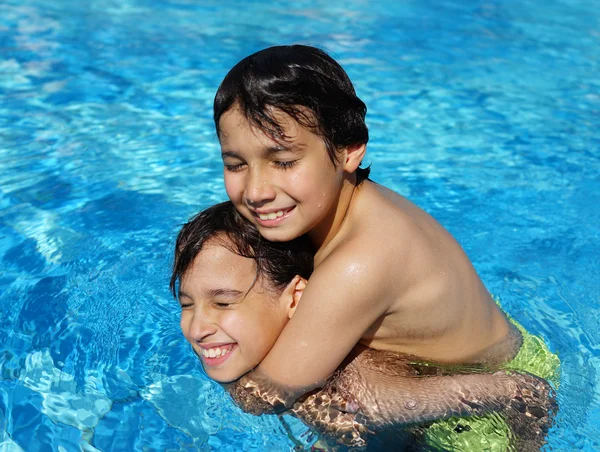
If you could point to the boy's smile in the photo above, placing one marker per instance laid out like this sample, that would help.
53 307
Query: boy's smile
271 218
286 187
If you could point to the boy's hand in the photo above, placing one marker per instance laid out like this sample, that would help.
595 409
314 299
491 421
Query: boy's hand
531 410
329 412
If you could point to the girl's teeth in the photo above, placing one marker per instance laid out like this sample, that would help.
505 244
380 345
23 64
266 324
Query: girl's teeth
215 352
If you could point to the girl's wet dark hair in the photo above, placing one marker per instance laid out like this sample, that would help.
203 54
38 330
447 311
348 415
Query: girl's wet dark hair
277 262
303 82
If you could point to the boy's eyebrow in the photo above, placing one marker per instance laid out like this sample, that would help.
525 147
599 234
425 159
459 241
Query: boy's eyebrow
267 151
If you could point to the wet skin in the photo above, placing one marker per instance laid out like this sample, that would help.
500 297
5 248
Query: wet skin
387 275
356 405
232 319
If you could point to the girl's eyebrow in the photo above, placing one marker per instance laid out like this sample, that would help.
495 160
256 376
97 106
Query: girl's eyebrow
181 294
214 293
229 293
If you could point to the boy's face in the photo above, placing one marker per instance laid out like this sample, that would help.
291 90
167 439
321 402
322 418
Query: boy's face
230 326
286 189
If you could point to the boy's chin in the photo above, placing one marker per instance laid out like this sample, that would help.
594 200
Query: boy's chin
277 234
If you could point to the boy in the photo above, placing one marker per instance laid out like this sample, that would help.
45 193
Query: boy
237 292
387 275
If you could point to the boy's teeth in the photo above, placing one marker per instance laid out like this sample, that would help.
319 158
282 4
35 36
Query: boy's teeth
270 215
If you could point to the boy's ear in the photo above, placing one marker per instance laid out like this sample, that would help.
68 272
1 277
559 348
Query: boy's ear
353 156
292 294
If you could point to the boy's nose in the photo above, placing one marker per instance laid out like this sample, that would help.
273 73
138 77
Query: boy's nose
259 190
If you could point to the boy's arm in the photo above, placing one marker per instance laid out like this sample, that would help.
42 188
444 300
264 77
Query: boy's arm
344 297
374 390
378 383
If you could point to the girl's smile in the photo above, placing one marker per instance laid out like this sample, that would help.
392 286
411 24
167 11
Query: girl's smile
230 317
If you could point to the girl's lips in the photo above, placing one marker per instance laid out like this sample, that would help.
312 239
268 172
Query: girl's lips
272 222
215 361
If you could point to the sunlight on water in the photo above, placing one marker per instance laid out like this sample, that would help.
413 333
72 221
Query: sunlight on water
485 113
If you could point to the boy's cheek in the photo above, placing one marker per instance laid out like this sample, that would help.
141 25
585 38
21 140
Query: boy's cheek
233 185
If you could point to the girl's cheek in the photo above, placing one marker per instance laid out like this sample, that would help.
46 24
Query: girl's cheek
184 324
230 323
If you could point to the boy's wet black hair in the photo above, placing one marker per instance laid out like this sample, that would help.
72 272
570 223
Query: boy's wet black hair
303 82
277 262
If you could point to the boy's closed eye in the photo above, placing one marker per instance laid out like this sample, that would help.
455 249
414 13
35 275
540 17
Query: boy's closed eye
234 168
286 164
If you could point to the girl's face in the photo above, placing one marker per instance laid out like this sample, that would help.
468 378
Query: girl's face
230 320
286 189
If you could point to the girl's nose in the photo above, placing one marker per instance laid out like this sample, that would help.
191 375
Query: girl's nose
201 327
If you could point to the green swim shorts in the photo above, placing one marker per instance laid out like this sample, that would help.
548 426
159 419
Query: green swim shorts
491 433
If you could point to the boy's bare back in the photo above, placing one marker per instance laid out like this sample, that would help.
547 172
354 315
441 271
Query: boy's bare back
436 306
387 275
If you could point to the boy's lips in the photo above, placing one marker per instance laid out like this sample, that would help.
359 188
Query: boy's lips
273 217
213 355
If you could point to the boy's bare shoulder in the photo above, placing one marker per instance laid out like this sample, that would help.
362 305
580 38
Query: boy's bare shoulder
384 223
396 226
397 241
374 242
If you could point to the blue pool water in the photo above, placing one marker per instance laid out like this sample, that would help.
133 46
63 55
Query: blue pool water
485 113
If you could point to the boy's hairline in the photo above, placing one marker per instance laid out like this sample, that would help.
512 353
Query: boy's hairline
332 149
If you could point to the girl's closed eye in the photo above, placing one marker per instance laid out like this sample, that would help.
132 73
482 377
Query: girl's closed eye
186 305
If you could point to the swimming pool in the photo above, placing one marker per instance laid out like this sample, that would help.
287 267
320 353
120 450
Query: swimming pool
485 113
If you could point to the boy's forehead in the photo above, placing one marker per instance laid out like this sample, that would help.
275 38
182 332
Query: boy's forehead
235 128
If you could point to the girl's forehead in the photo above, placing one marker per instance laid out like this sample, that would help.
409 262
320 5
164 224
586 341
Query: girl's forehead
218 255
216 266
